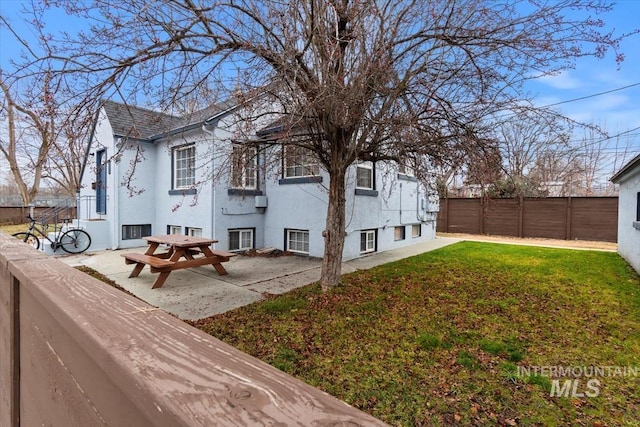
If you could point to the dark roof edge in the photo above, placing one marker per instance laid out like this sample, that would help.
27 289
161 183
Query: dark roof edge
221 114
191 126
635 162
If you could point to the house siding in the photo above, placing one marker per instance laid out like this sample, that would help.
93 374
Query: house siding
134 208
183 208
301 205
628 235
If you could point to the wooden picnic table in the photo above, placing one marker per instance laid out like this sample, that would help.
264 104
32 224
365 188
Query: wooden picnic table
183 252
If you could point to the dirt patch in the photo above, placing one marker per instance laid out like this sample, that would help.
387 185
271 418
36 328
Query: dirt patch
577 244
266 252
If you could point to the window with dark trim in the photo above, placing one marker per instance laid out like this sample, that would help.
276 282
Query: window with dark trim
406 170
241 239
399 233
299 162
174 229
365 178
193 231
138 231
368 241
297 241
638 207
244 166
416 230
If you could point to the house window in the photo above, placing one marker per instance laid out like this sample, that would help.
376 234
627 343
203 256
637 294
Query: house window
638 207
416 230
298 241
367 241
138 231
244 161
184 167
193 232
240 240
406 170
364 176
174 229
398 233
299 162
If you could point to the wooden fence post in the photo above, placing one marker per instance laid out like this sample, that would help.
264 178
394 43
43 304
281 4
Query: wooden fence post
446 215
520 215
567 233
481 201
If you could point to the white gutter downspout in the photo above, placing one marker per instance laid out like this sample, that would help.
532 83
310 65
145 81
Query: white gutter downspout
213 187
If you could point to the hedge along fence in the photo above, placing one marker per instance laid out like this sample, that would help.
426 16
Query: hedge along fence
77 352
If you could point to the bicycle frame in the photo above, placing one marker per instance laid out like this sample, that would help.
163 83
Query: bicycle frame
71 239
42 231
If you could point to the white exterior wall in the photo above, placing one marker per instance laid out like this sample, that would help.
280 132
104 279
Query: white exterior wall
400 200
399 203
121 207
628 227
103 137
304 207
296 207
184 210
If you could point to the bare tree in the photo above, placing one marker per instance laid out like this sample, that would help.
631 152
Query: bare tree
44 139
29 135
45 131
355 80
66 154
524 138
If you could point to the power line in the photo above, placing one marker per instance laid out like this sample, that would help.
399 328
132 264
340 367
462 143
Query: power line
595 141
592 95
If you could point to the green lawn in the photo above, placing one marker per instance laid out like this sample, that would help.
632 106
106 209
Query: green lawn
437 339
10 229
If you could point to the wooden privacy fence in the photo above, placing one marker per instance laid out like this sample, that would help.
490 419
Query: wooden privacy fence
77 352
568 218
18 214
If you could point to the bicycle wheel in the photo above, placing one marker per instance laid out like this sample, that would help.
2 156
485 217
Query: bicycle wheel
28 238
75 241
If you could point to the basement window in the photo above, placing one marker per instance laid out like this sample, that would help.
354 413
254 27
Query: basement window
138 231
240 240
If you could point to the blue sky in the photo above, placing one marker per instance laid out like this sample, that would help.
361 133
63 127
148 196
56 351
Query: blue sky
617 111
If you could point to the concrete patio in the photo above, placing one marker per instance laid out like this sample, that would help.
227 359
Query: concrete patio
200 292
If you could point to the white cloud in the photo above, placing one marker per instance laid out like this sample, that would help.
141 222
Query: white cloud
609 101
562 80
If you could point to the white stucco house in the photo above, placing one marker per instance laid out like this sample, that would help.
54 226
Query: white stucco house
628 178
148 173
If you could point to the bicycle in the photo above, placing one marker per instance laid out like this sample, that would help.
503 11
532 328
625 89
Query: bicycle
72 241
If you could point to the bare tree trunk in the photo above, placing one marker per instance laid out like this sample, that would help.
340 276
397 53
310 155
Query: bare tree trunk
334 232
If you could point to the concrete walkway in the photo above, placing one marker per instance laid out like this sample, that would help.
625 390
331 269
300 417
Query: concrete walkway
200 292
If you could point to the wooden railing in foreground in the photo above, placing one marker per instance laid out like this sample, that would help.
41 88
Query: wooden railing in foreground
76 352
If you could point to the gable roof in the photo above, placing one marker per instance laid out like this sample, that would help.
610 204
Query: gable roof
145 124
626 169
141 123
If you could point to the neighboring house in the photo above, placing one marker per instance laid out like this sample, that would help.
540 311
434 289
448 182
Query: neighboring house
149 173
629 212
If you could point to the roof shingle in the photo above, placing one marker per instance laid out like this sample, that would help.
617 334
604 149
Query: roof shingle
145 124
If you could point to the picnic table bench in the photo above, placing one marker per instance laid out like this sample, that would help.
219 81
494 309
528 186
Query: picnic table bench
184 252
156 263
